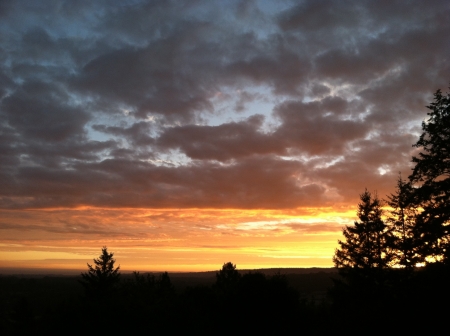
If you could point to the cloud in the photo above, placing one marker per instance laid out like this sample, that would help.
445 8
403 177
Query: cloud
138 133
201 104
40 111
319 127
259 182
228 141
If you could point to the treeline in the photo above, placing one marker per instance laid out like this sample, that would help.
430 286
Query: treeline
416 229
113 303
398 260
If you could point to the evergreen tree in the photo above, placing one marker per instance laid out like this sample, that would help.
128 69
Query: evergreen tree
227 278
102 278
431 176
363 261
366 250
403 219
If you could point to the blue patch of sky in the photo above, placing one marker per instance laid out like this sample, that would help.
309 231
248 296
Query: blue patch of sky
96 135
261 101
173 158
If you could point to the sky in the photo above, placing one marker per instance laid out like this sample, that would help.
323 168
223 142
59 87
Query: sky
186 134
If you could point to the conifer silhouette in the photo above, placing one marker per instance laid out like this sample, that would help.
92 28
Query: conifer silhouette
367 246
101 279
431 176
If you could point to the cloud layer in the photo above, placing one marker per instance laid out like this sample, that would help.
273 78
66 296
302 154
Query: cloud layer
202 104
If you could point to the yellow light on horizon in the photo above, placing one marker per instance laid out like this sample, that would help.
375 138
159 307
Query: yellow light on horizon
173 239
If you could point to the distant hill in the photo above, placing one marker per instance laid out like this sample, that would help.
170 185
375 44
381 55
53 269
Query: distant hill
312 282
39 272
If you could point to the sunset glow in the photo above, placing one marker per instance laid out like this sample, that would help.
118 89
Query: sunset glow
182 135
175 240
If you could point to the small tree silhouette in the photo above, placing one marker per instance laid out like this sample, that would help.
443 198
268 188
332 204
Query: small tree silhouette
228 277
164 284
102 278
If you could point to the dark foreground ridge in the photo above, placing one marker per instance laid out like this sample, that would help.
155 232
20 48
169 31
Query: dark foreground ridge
267 300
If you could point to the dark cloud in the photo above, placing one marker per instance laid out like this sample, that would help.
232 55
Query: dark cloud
138 133
146 79
313 16
250 183
228 141
208 104
318 128
42 111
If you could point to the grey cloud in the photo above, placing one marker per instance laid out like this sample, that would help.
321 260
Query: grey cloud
40 110
6 85
95 95
360 169
153 79
273 63
317 127
315 16
258 182
224 142
138 133
322 127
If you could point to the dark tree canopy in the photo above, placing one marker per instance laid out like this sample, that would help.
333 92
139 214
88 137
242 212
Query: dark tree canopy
367 244
416 233
227 277
402 218
431 177
433 163
102 278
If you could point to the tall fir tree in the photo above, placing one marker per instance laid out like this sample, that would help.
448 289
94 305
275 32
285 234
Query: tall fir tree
431 177
366 251
402 219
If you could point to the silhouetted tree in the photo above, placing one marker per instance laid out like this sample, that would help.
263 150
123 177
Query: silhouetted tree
431 175
227 277
418 230
366 250
143 282
102 278
364 261
164 285
402 218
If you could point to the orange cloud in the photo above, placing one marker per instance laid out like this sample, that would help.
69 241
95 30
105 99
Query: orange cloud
168 239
